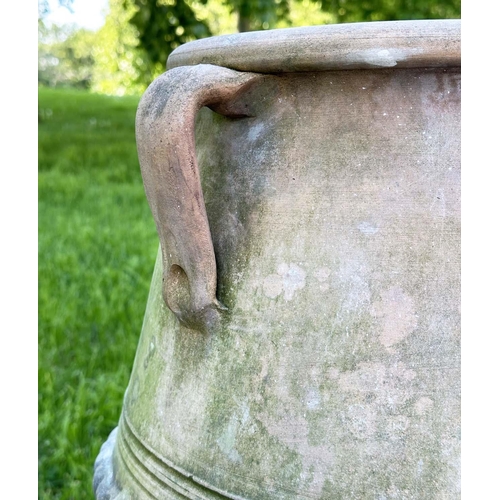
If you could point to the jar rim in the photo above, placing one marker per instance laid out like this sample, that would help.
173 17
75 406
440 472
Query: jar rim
366 45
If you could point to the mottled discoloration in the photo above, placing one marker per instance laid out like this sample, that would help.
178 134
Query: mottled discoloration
423 405
322 276
166 148
396 311
368 228
335 374
389 386
289 279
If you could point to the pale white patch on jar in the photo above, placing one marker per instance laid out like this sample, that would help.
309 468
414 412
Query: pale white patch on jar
289 279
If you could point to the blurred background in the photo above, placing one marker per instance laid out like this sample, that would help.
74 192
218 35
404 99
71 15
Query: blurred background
97 240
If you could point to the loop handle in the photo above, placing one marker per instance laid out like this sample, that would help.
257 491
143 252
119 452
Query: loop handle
166 147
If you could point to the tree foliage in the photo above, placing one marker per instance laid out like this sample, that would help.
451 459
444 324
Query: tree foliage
107 61
65 56
132 47
120 67
163 25
391 10
259 14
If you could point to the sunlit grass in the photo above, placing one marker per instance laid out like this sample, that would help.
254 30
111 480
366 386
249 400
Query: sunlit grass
97 245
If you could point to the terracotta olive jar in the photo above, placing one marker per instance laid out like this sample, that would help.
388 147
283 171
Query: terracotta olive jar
302 334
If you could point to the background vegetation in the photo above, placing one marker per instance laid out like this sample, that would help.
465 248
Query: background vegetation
97 244
97 241
132 47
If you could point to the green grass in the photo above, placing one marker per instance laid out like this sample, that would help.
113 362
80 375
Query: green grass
97 245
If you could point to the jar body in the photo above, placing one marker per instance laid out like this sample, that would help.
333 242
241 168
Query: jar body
334 210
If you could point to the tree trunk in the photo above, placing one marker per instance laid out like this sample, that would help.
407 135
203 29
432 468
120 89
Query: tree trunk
243 22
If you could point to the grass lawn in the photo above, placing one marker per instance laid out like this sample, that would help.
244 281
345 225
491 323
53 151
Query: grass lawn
97 246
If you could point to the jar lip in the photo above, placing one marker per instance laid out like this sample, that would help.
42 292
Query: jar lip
367 45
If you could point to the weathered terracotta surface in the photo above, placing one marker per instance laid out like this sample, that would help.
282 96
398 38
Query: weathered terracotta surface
402 44
166 147
334 211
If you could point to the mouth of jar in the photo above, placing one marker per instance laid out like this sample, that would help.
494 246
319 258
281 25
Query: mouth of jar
367 45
